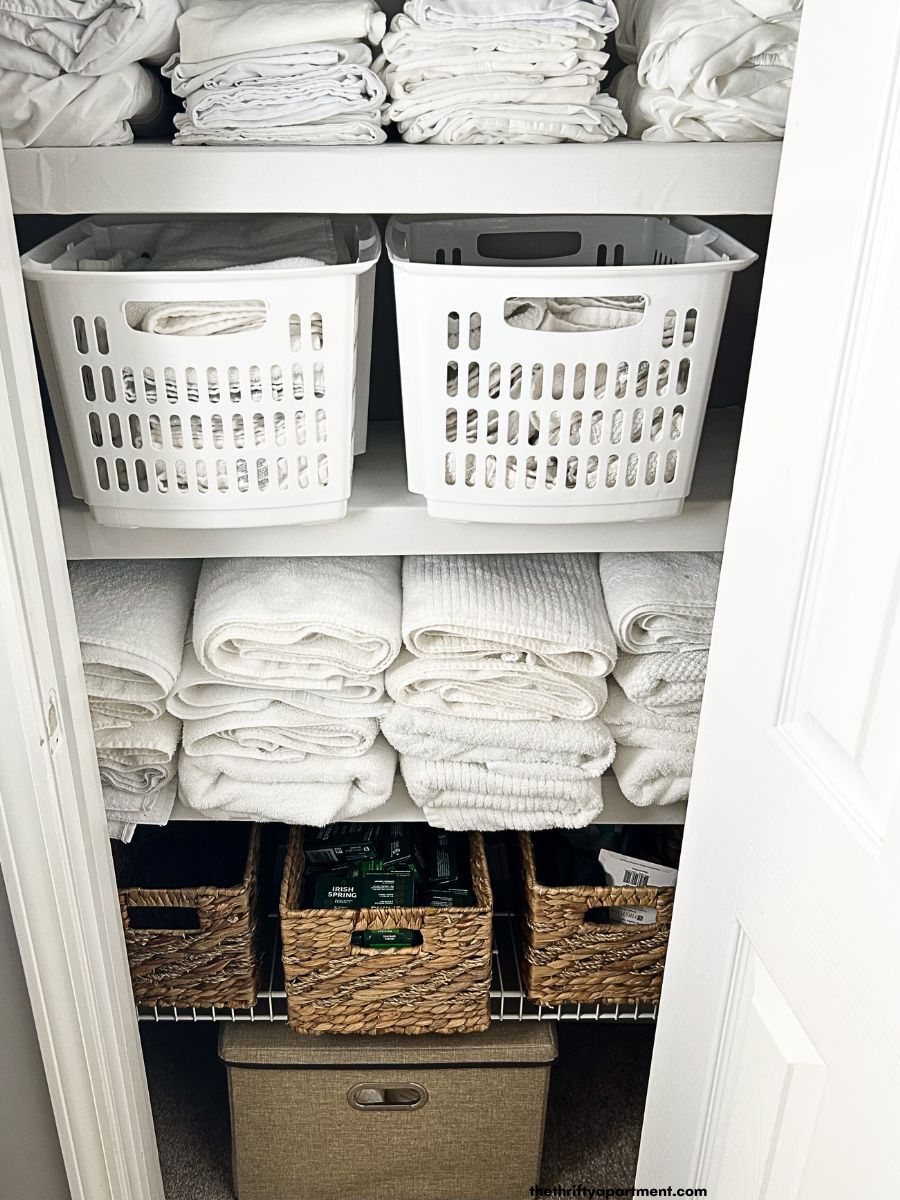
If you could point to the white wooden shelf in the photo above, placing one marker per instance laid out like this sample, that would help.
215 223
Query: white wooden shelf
386 518
622 176
616 809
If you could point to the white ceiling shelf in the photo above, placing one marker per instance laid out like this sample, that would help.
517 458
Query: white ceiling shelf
384 517
621 176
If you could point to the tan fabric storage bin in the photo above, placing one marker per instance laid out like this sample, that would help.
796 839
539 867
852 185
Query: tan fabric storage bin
440 986
389 1118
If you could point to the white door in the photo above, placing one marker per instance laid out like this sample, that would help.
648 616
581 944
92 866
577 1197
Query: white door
776 1072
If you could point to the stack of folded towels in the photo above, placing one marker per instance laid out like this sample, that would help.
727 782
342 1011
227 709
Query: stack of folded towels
704 72
661 607
266 72
499 690
282 685
460 72
71 69
132 617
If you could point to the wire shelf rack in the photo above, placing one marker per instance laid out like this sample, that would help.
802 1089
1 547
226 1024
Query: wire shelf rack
508 999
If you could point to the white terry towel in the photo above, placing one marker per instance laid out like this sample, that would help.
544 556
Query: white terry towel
668 681
655 753
132 617
517 124
361 131
493 688
281 63
297 622
661 601
279 732
587 746
473 796
216 28
137 770
197 695
316 791
519 14
542 609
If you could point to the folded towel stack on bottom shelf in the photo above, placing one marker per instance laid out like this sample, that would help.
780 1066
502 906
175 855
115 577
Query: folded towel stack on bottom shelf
661 607
261 72
499 692
132 617
281 687
511 71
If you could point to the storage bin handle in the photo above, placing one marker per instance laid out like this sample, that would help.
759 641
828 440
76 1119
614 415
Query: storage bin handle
140 903
387 1097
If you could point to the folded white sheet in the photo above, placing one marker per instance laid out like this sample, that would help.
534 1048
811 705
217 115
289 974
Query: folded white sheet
667 681
654 754
279 732
76 110
297 623
87 37
132 617
408 44
280 63
661 601
552 14
521 124
357 132
545 609
316 791
445 95
216 28
493 688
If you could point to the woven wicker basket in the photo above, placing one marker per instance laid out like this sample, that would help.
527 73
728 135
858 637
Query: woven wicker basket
568 959
217 963
440 986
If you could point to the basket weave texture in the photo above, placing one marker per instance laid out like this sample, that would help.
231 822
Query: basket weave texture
440 986
217 964
569 960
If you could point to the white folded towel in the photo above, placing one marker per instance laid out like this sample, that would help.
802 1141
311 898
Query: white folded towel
214 29
518 124
655 753
544 609
667 681
279 732
661 601
357 132
298 623
138 769
132 616
456 795
518 14
316 791
281 63
122 831
493 688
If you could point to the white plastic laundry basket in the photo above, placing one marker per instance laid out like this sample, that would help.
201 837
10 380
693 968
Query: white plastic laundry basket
231 430
505 423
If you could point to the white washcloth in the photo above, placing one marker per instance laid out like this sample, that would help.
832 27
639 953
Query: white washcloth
518 124
544 609
279 732
316 791
86 37
667 681
493 688
218 28
298 623
655 753
198 695
357 132
586 746
518 14
137 770
661 601
472 796
132 616
280 63
122 831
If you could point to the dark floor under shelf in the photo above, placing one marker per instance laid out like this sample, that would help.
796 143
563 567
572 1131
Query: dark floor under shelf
593 1122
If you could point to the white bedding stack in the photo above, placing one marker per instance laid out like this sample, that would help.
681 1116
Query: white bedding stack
499 690
131 619
706 70
523 71
281 685
278 72
661 607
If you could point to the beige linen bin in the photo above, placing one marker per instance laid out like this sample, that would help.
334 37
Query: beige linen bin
387 1118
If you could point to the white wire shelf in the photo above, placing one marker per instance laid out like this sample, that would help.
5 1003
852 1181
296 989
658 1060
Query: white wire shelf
508 999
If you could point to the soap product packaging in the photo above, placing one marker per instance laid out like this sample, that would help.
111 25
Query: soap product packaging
621 870
385 939
442 859
449 897
388 889
345 842
338 891
402 847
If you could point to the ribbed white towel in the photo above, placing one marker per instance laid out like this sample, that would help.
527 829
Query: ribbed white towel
137 769
542 609
198 695
297 622
520 14
316 791
279 732
668 681
655 753
132 616
661 601
493 688
585 745
474 796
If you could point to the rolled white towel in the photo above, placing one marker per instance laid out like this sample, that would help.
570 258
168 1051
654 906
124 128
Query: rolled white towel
316 791
279 732
668 681
519 14
132 616
138 769
298 623
542 609
661 601
493 688
655 753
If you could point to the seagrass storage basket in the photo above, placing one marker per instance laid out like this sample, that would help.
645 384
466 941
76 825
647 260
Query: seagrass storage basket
441 985
569 958
193 945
